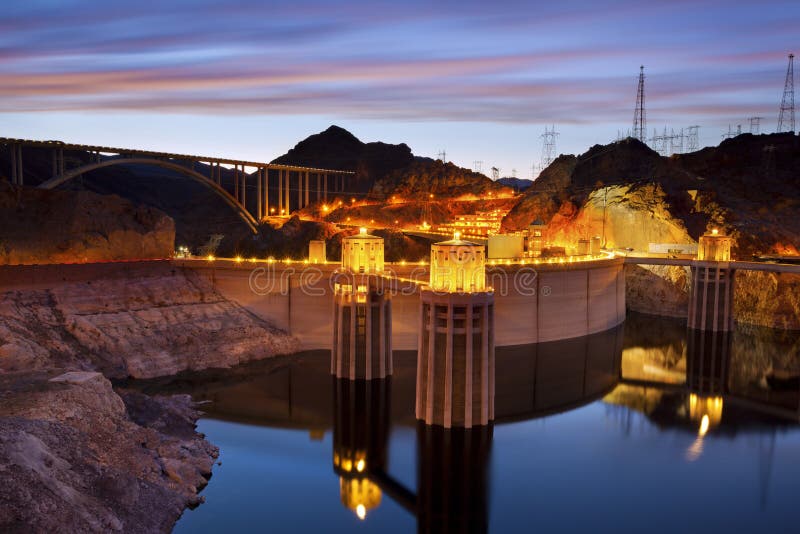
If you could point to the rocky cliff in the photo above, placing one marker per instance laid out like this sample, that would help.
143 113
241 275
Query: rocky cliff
38 226
77 456
144 326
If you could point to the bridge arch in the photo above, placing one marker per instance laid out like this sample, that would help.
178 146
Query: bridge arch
240 210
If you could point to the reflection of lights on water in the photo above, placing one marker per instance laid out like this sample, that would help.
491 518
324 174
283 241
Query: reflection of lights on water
703 426
695 449
361 512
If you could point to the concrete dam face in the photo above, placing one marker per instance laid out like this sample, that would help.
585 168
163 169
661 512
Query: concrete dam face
532 303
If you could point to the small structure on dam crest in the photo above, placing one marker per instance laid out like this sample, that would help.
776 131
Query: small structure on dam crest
455 362
362 312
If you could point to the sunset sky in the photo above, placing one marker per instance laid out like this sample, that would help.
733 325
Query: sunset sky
480 80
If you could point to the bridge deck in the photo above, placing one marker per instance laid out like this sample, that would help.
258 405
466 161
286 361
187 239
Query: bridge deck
149 153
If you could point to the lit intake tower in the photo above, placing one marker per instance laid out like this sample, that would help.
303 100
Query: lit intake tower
711 302
455 362
362 312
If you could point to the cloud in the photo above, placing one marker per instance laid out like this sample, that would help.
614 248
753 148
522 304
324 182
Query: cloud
572 62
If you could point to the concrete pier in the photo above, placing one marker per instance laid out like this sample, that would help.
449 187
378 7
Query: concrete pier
362 311
362 328
455 362
711 300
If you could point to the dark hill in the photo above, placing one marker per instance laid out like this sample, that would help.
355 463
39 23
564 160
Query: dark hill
517 184
336 148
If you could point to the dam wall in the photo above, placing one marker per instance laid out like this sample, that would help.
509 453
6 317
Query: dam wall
533 303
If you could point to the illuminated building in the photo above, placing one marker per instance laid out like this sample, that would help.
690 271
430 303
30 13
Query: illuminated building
535 237
362 253
455 362
714 247
711 303
316 251
362 313
477 225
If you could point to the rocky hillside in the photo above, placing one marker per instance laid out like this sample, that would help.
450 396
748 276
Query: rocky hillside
142 323
38 226
425 177
748 186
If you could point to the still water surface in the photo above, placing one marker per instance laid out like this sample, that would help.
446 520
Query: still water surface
644 427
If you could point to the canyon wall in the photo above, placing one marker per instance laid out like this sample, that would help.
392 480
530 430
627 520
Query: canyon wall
39 226
137 320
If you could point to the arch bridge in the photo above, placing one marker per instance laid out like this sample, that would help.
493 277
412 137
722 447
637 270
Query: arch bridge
228 178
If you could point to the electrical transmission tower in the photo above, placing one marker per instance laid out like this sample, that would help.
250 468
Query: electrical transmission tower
755 125
659 142
639 119
442 155
548 146
693 139
495 173
477 165
786 115
676 142
731 133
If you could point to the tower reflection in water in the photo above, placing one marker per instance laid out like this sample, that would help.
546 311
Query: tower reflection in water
707 362
452 487
360 440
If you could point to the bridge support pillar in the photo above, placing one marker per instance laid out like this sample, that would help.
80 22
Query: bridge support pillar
325 187
455 359
244 188
266 191
288 205
307 188
236 182
300 190
319 186
280 191
20 173
259 198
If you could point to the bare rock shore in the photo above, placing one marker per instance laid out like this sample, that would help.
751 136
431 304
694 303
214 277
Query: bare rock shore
77 456
76 453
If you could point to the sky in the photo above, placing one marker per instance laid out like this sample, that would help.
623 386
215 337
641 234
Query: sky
479 80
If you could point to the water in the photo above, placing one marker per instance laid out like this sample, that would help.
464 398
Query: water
597 433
